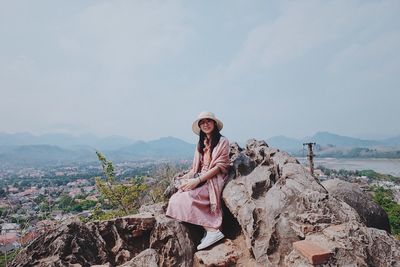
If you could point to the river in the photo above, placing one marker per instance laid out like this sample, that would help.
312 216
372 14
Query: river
385 166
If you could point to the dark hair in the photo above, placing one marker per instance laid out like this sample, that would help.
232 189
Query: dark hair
215 136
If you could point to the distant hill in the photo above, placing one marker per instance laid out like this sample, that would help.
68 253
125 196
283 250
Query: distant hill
65 140
334 145
166 147
392 141
163 148
32 155
113 142
326 138
49 149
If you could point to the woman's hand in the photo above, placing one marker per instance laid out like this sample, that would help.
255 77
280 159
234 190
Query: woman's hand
187 175
189 184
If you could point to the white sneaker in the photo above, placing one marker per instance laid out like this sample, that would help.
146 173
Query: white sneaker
204 236
210 239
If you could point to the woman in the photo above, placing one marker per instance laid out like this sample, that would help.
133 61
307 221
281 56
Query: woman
198 200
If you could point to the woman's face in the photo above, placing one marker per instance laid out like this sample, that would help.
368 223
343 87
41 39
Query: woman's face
207 125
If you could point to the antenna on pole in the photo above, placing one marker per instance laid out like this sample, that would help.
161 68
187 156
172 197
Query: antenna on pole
310 156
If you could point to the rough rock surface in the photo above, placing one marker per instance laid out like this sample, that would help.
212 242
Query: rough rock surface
270 200
112 243
222 254
372 215
279 202
148 257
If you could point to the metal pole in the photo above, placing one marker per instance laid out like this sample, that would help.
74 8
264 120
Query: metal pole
310 156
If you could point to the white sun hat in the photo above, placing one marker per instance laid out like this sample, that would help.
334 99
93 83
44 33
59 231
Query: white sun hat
206 115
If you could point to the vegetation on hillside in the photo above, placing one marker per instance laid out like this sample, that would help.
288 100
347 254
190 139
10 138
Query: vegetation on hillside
5 259
356 152
123 197
373 175
384 197
378 176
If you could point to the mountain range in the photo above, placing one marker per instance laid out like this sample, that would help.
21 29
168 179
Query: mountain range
26 149
66 140
330 140
49 149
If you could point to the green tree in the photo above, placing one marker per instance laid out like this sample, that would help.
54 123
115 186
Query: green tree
66 202
124 197
5 259
164 174
384 197
3 193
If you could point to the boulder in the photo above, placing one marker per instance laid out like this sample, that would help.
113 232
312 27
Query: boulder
172 241
279 203
371 214
115 242
71 243
222 254
148 258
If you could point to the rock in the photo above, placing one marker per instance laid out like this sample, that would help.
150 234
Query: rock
169 191
242 164
279 203
125 237
254 144
234 149
148 258
371 214
223 254
353 245
154 209
112 242
70 243
171 239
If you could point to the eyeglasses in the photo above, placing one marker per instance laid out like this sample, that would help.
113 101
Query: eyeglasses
205 121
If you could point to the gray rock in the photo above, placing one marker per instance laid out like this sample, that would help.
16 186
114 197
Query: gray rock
148 258
112 242
72 242
222 254
291 205
154 209
242 164
372 215
171 240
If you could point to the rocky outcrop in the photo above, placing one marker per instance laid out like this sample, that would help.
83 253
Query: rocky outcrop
223 254
271 202
279 203
125 240
148 257
371 214
72 242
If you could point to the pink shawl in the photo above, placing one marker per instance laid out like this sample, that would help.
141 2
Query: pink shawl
220 158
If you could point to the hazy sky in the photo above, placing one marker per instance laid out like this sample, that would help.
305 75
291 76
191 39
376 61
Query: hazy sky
145 69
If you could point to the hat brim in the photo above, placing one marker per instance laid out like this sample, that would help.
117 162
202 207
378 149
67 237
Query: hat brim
196 128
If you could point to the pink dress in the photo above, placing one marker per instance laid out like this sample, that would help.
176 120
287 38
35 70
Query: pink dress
194 206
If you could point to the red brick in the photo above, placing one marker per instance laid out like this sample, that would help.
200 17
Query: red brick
314 253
